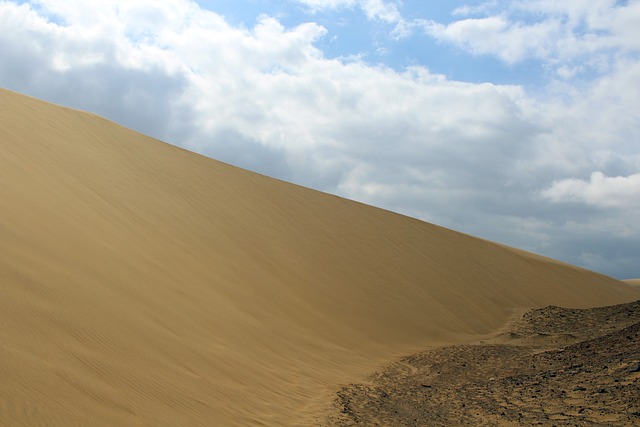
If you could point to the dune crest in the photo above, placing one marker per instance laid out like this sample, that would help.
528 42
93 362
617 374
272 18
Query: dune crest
141 284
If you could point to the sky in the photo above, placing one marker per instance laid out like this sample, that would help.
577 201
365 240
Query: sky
515 121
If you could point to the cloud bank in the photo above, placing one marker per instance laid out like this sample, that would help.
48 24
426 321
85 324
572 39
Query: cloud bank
552 169
600 190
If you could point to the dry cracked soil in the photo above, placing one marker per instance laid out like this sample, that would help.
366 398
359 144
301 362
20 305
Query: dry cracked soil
553 367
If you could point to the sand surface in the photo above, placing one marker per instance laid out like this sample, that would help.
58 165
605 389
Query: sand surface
553 367
141 284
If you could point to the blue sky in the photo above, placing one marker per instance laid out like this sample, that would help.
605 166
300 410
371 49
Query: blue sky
513 121
350 33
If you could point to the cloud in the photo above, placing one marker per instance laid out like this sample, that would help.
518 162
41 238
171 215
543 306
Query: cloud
600 190
384 11
473 157
316 5
375 10
561 33
496 35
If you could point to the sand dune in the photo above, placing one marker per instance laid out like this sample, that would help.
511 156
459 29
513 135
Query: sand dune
141 284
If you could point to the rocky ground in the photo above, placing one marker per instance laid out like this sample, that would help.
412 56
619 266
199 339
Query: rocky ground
554 367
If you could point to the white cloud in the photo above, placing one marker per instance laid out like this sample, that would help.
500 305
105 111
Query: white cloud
375 10
384 11
558 32
476 9
496 35
600 190
327 4
473 157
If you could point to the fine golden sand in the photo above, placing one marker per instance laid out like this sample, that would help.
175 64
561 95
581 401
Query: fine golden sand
141 284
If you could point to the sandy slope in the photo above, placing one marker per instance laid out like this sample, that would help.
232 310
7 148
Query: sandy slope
141 284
